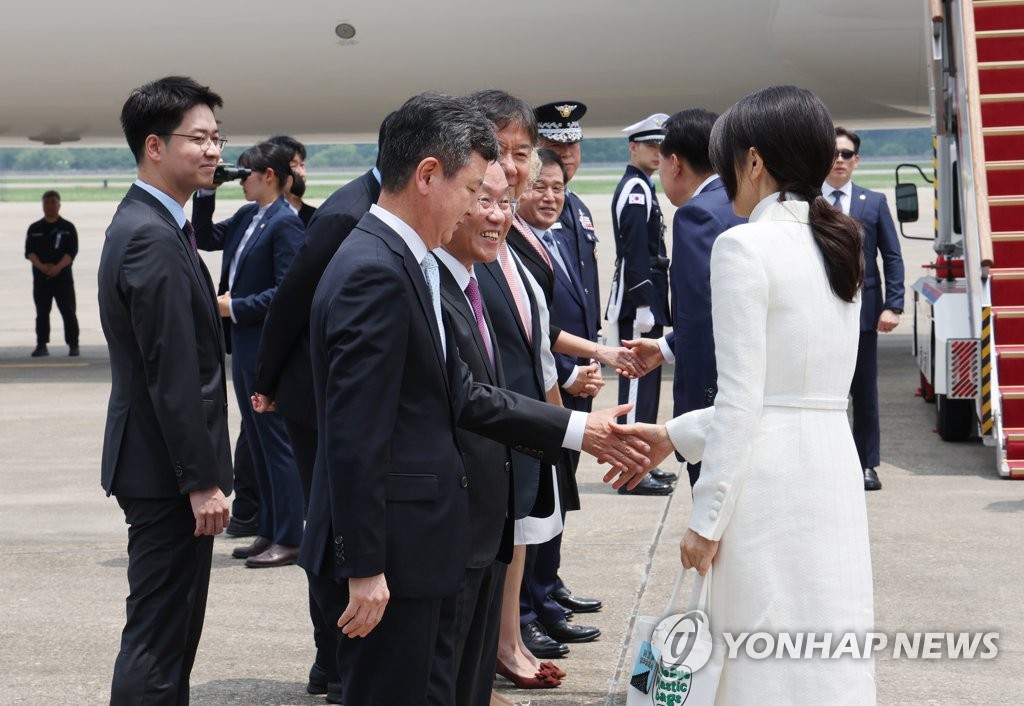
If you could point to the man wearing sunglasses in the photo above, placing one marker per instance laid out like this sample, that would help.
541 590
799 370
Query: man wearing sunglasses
878 314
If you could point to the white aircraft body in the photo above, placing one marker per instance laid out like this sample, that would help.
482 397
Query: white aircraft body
325 70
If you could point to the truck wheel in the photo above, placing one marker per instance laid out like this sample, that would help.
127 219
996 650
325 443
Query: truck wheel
954 419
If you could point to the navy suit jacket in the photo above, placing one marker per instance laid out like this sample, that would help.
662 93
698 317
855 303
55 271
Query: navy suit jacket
871 210
261 265
488 464
579 234
167 421
282 363
389 486
695 227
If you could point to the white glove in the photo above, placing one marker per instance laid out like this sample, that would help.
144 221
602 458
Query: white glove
644 320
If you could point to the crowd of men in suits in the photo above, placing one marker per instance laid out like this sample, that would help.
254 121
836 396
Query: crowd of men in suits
414 364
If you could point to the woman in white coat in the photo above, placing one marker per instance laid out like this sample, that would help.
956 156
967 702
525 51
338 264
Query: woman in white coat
779 507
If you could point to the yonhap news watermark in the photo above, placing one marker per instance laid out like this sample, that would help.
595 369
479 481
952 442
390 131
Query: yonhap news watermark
898 645
686 640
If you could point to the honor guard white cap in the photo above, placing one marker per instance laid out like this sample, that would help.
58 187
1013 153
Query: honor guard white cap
648 130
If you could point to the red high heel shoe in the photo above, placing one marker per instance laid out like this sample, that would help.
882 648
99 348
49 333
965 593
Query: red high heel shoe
542 680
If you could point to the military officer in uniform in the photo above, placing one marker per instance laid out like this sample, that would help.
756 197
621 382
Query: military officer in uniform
638 303
559 130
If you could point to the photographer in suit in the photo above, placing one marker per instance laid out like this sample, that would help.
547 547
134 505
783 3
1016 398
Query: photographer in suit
166 453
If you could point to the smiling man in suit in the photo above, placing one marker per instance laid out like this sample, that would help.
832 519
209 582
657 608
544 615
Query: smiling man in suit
387 533
259 242
468 634
166 453
878 314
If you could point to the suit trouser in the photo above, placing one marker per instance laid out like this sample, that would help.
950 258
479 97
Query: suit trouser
467 640
304 442
648 388
280 508
44 292
864 390
168 579
247 494
392 664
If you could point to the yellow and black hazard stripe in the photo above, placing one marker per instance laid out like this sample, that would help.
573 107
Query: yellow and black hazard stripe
986 371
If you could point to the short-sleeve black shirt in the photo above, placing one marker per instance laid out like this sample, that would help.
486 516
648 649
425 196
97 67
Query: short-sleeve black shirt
50 242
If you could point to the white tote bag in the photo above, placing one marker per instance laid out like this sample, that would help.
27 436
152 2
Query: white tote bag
677 661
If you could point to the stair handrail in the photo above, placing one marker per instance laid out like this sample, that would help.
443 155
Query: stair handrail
977 140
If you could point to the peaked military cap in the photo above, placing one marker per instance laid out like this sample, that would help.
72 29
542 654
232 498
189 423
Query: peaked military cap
560 121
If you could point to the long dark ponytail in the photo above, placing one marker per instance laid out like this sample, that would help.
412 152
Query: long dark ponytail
793 132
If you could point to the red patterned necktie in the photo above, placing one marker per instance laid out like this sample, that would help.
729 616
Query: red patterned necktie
508 267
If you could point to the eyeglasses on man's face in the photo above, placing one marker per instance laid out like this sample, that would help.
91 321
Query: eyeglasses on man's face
845 154
487 204
203 142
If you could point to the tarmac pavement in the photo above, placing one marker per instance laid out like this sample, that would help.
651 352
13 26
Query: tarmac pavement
943 535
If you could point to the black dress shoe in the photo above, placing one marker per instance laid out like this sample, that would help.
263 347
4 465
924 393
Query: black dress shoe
566 632
648 486
274 555
259 545
41 351
317 683
243 528
542 646
573 604
871 481
664 476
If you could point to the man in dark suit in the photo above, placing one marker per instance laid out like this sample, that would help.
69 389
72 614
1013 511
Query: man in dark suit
878 314
284 378
166 453
704 212
468 633
386 538
259 242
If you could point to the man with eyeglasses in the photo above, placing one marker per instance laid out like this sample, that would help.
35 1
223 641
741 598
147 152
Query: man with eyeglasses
166 453
878 314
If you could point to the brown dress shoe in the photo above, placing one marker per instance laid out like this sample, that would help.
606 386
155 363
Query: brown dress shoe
258 546
274 555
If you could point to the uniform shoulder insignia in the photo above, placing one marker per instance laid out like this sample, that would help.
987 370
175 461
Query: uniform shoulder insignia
637 198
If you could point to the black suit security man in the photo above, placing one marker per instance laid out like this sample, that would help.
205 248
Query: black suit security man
386 538
166 454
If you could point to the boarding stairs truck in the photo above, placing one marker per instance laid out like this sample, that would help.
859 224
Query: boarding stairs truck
969 309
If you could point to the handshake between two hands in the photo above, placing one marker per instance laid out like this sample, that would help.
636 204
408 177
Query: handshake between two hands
631 449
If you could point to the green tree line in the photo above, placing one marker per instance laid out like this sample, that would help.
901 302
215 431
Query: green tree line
916 142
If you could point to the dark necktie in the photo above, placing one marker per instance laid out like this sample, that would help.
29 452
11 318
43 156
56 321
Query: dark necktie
837 199
191 233
473 294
